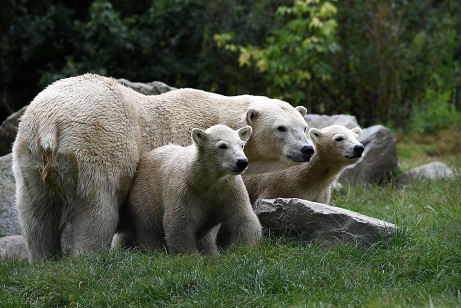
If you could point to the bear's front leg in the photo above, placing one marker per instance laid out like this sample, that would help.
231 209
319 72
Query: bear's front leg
207 244
245 228
180 233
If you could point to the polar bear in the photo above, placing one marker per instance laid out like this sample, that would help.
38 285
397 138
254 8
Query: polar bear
336 147
181 195
80 140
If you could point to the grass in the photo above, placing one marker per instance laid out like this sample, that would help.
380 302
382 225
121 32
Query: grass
418 267
417 149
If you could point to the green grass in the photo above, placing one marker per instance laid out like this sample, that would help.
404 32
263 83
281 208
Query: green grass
420 266
417 149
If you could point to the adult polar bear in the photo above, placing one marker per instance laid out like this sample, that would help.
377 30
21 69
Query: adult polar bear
79 142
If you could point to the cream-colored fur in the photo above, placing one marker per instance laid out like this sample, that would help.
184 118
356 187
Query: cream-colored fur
81 138
336 147
181 195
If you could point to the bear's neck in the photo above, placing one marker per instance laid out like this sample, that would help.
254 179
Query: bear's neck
320 170
170 119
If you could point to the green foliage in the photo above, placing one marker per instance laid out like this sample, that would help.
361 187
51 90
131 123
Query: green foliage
170 41
385 61
393 53
436 110
420 266
151 44
294 54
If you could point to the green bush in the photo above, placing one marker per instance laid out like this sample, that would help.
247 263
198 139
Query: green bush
170 41
390 52
435 108
295 53
385 61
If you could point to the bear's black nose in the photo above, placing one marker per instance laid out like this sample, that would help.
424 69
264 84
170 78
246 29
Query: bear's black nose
242 164
359 149
308 151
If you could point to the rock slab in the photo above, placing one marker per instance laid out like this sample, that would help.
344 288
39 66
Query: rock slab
320 222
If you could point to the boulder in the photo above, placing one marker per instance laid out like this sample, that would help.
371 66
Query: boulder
150 88
13 246
9 222
8 131
379 160
320 222
431 171
321 121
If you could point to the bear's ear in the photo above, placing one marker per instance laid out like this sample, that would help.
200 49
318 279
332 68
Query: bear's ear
314 134
358 131
302 110
245 133
251 114
199 135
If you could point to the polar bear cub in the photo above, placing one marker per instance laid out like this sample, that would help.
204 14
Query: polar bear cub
336 147
180 195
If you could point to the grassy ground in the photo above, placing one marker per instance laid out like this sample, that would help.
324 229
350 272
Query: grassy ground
417 149
420 266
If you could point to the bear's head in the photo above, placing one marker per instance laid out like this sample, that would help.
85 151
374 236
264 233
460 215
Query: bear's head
222 148
337 144
279 138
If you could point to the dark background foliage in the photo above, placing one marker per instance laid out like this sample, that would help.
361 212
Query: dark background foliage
398 64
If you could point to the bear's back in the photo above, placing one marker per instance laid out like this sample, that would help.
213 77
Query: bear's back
89 116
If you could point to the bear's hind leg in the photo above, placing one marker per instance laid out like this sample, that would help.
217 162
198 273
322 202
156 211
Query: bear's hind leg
39 213
40 223
94 224
123 239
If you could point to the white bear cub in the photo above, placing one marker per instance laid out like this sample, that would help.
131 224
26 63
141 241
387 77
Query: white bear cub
336 147
181 195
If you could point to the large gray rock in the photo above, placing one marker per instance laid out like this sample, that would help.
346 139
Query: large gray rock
9 222
13 246
379 160
8 131
316 221
431 171
150 88
321 121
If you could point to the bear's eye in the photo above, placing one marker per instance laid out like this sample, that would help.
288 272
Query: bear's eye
340 138
281 129
223 146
